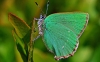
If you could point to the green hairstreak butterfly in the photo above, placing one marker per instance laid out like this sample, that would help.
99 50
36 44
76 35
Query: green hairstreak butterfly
61 31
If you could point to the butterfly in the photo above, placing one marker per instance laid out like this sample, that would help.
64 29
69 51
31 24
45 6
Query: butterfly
61 31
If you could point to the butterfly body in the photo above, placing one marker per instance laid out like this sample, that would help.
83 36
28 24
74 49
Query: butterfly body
40 23
61 31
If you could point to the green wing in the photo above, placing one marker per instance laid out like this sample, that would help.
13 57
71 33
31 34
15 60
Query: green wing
61 32
74 21
60 40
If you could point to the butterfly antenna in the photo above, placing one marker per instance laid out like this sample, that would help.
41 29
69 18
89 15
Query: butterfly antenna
47 7
39 7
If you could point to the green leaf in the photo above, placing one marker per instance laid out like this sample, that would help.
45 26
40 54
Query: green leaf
21 27
23 35
20 49
20 46
26 38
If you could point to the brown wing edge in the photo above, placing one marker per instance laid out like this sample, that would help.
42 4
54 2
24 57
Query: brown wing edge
63 57
74 50
87 18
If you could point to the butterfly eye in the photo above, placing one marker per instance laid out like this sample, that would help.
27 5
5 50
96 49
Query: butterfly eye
42 17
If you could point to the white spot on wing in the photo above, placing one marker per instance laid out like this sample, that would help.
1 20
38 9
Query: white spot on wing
62 47
68 31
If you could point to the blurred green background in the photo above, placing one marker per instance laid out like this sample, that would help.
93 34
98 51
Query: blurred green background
89 47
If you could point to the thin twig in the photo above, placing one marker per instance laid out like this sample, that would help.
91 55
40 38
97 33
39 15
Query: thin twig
30 56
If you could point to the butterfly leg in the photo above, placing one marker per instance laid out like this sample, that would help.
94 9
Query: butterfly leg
35 31
36 38
36 19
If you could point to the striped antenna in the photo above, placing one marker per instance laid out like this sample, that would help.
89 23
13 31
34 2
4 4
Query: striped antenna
39 7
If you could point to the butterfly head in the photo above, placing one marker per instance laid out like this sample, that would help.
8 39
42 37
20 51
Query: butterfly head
42 16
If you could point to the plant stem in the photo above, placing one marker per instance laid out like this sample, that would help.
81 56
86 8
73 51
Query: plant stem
30 54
